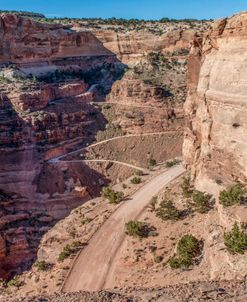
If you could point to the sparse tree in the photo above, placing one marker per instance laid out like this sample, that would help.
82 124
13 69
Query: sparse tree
236 240
233 195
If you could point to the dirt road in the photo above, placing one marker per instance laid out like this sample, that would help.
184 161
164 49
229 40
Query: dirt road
105 161
59 158
92 266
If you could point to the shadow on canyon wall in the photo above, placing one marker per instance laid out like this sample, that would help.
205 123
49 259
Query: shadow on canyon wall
34 193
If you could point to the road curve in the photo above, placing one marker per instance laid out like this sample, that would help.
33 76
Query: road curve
59 158
126 105
90 269
103 161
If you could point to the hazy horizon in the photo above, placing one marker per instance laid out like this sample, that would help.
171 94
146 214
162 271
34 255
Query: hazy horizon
139 9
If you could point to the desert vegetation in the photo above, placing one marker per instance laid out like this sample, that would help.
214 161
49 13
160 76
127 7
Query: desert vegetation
233 195
139 229
41 265
114 197
187 250
201 202
136 180
14 282
187 187
152 163
236 240
171 163
168 211
69 250
197 201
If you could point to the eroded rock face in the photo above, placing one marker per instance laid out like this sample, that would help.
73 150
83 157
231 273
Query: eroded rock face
41 119
146 100
142 108
150 96
39 99
136 44
215 139
32 41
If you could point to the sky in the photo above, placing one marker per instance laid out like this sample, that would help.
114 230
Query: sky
141 9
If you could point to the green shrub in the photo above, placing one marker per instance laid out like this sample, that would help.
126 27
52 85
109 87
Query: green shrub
167 211
236 240
66 252
233 195
152 162
41 265
134 228
136 180
114 197
172 163
180 262
201 202
186 187
175 262
69 250
188 248
140 229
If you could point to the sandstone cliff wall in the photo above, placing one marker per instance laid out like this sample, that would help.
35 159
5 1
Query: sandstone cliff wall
40 119
24 40
135 45
215 141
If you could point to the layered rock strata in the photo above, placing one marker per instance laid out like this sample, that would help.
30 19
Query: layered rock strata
45 93
49 76
215 140
37 42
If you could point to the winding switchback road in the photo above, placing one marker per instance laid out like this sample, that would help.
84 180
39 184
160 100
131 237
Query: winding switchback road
92 266
107 161
61 157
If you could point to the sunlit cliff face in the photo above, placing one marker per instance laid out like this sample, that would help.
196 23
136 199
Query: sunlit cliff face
215 142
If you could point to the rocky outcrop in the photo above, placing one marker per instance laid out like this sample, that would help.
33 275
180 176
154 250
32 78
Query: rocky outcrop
24 40
141 107
214 147
215 140
150 95
46 74
39 97
218 291
48 77
135 44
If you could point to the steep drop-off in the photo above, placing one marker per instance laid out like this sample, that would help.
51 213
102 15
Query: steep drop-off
62 87
44 111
